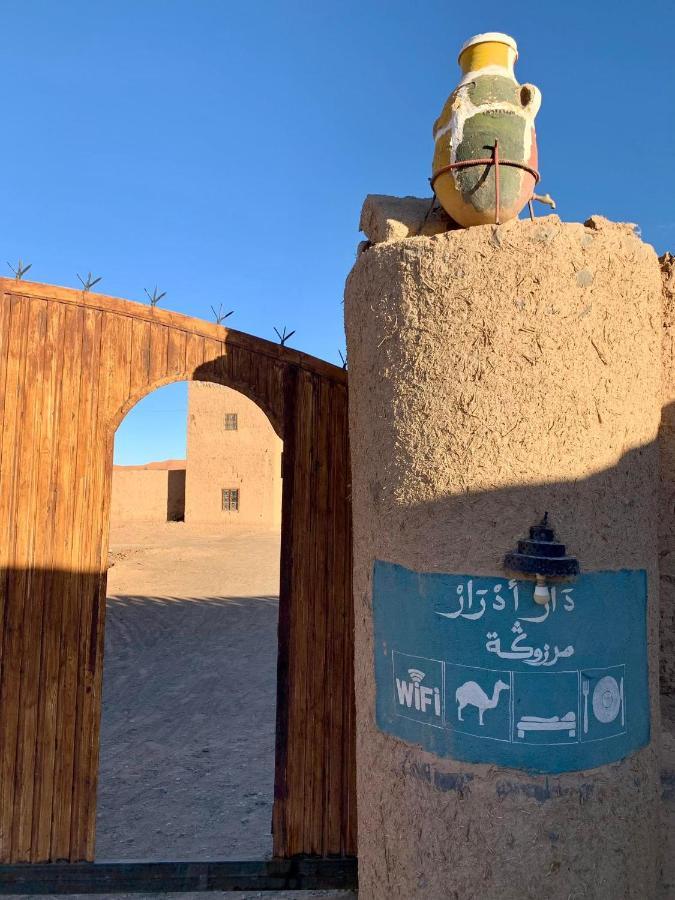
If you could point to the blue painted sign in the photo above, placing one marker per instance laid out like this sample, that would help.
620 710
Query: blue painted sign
470 667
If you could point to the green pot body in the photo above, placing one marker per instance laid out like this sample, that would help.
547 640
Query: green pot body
488 106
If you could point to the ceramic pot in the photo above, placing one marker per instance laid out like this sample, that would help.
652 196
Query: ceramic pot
488 105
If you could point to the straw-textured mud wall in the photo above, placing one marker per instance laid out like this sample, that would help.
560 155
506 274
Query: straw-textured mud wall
667 510
496 373
141 494
247 458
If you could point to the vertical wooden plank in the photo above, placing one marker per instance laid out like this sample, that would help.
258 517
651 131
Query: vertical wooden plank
10 504
6 404
345 602
341 776
221 365
260 381
213 350
315 814
5 322
272 393
194 353
90 530
52 589
268 391
159 343
224 362
318 678
175 363
66 582
349 732
106 393
29 579
240 367
335 757
140 356
7 418
280 810
300 622
120 329
113 394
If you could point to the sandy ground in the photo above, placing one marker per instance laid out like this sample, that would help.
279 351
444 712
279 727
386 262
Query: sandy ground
187 734
187 743
178 560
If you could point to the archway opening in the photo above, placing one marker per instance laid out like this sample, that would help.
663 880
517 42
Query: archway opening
189 688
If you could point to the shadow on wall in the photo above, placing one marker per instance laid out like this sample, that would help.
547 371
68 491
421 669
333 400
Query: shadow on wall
608 519
175 503
583 513
667 547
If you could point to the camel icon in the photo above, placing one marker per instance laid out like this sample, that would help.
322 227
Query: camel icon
472 694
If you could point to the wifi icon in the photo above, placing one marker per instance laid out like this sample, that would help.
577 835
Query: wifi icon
416 676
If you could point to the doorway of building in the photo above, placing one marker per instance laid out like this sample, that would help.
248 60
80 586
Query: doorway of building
187 750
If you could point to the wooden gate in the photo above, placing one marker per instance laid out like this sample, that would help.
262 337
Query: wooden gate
71 365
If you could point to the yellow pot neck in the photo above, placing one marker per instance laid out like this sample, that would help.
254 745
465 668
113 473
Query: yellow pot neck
489 53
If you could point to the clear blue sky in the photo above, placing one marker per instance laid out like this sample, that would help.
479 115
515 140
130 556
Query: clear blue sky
222 150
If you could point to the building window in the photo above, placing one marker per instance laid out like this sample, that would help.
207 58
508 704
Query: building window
230 421
230 499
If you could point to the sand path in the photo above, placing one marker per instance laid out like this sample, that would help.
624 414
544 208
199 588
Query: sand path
187 734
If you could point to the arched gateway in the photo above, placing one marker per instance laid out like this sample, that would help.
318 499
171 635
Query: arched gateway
71 365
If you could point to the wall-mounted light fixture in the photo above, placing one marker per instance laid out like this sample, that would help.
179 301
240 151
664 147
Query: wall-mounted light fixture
542 556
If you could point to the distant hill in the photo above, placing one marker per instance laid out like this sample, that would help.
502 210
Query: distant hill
160 464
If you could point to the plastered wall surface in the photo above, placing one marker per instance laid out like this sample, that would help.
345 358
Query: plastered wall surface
248 458
496 373
147 495
667 510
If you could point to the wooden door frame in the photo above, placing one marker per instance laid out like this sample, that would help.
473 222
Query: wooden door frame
71 365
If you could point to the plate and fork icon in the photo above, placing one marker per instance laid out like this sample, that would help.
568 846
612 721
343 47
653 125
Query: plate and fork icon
607 700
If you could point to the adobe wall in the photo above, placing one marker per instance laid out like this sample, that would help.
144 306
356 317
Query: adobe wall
667 510
141 494
248 459
495 374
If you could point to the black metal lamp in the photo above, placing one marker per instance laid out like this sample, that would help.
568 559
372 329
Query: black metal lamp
541 555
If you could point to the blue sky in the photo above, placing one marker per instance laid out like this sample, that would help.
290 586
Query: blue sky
222 150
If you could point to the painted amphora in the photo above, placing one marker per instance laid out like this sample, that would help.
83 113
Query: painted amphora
489 117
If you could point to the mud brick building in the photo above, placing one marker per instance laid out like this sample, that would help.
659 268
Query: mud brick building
231 475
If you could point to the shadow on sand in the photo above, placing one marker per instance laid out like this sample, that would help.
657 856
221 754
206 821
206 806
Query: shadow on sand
188 728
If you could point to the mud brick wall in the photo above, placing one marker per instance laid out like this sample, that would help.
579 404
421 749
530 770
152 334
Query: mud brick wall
496 373
667 504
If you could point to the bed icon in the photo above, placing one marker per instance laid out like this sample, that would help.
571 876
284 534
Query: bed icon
568 723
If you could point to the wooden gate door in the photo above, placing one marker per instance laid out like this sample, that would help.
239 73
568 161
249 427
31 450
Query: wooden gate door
71 365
